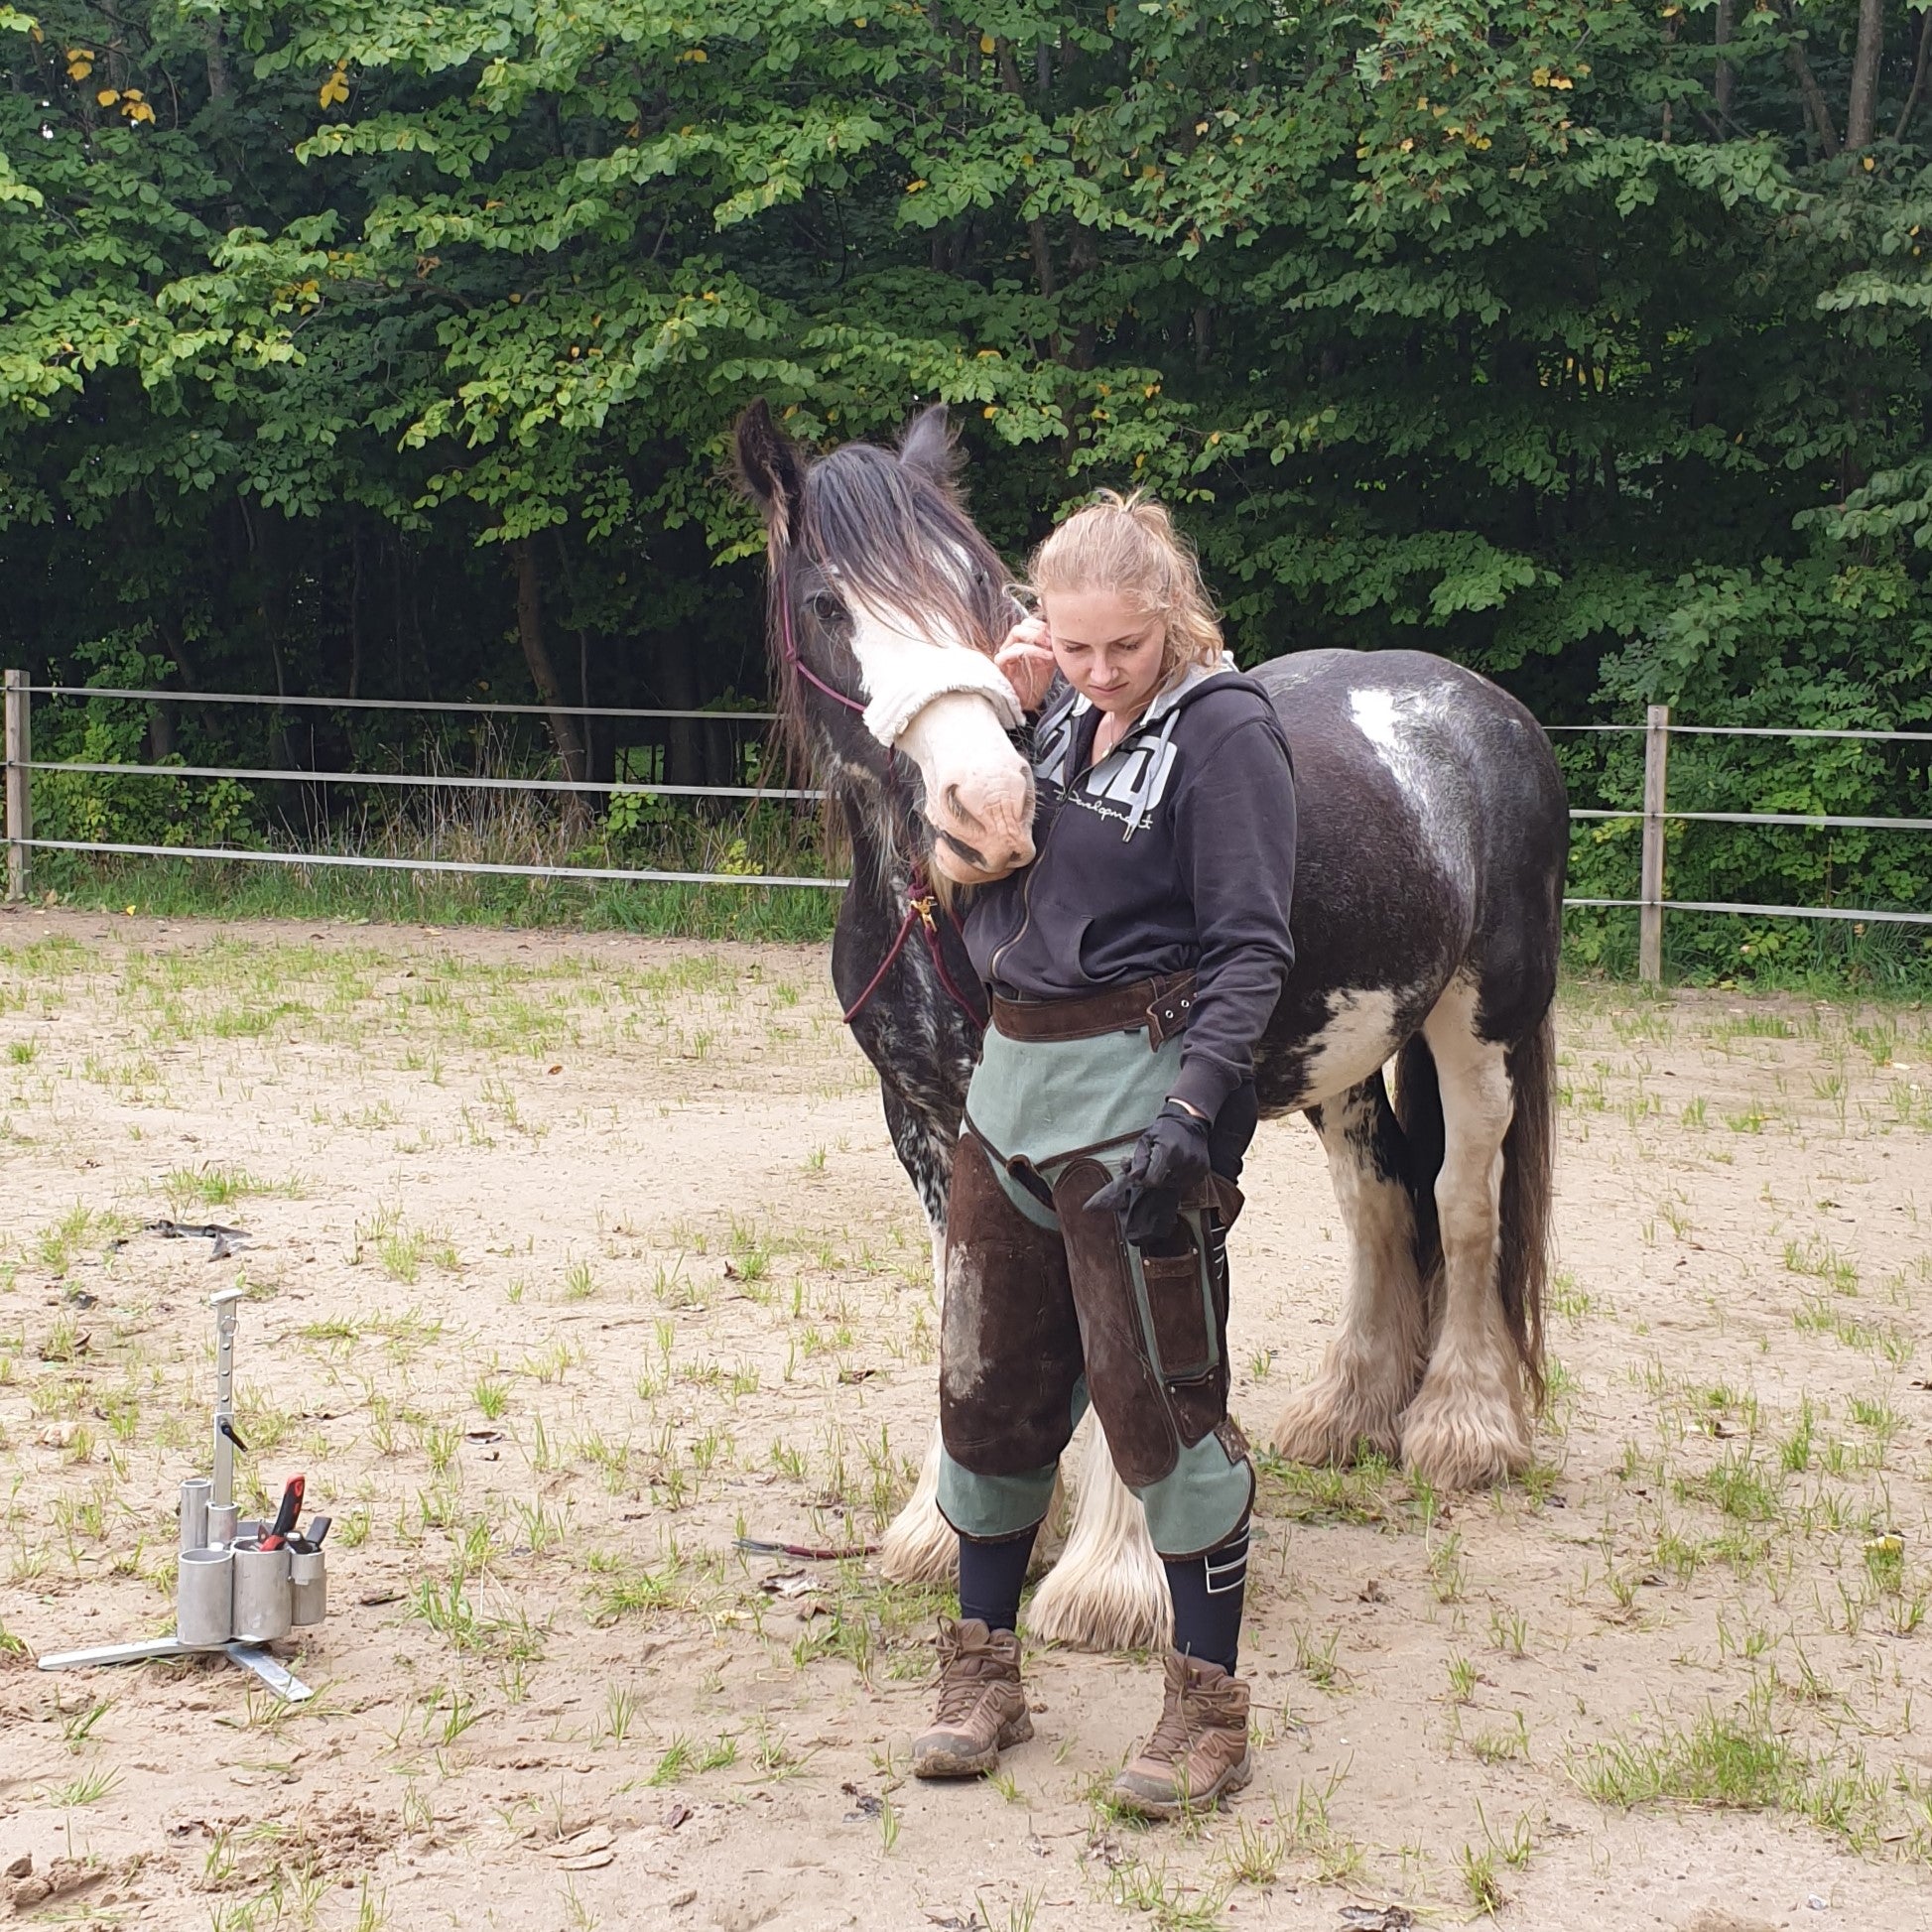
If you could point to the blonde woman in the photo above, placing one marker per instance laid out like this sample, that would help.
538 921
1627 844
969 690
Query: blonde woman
1132 968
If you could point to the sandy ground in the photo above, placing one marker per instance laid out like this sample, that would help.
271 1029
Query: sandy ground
572 1259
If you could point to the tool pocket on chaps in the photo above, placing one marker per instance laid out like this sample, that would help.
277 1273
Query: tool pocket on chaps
1179 1317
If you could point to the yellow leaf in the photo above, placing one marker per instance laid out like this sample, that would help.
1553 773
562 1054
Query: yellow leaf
107 98
913 187
986 42
991 409
133 94
140 111
1561 85
1870 164
860 20
79 69
697 55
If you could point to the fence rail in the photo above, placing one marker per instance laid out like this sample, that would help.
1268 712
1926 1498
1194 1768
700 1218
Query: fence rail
1658 728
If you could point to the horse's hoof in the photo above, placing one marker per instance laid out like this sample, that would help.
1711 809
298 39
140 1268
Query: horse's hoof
1331 1422
1467 1437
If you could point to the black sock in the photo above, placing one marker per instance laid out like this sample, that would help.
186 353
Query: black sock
990 1576
1208 1592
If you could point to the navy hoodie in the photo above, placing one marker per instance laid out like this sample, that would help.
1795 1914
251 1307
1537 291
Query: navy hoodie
1176 851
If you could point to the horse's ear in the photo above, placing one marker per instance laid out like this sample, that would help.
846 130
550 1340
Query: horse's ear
770 471
927 446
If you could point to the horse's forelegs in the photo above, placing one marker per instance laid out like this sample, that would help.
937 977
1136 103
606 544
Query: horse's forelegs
919 1545
1108 1591
1470 1422
1371 1366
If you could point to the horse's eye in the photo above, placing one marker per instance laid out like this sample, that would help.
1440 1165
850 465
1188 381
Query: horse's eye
825 608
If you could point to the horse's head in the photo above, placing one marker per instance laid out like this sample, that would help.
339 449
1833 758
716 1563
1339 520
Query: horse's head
886 605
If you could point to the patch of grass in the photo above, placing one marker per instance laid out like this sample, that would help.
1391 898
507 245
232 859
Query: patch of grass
209 1186
1741 1761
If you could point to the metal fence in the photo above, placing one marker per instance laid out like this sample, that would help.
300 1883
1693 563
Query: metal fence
1650 905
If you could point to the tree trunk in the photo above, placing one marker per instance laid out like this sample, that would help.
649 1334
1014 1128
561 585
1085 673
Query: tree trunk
1862 111
220 85
1725 72
1036 227
355 613
683 743
543 674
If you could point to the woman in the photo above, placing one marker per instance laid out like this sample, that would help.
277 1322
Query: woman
1133 965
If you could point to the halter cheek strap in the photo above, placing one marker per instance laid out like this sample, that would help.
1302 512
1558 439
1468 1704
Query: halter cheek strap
788 637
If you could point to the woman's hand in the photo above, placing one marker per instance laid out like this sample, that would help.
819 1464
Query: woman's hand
1026 657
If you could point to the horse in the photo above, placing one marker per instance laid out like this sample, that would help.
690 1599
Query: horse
1432 848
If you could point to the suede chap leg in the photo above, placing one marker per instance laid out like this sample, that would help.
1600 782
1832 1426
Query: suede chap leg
1010 1339
1155 1328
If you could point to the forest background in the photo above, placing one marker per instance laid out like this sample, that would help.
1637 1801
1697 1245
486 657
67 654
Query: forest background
392 350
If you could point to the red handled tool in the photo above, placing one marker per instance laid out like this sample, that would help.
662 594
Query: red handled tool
278 1531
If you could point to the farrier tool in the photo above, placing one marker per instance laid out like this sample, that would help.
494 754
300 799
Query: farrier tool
250 1656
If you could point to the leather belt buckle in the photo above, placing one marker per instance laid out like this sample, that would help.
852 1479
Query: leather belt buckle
1166 1017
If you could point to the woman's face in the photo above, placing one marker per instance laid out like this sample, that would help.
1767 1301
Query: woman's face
1106 648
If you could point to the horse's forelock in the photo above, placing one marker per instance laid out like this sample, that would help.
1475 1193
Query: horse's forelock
892 537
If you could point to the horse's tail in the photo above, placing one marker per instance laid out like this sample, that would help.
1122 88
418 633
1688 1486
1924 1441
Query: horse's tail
1528 1155
1418 1112
1523 1238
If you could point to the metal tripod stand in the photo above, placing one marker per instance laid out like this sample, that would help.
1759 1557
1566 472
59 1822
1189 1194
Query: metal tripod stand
250 1656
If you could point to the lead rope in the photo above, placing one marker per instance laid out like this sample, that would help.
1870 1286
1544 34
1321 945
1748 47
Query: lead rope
921 900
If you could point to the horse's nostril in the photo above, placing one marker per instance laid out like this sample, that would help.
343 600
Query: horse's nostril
956 806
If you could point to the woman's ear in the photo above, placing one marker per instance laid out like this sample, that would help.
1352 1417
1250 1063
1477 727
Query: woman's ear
771 472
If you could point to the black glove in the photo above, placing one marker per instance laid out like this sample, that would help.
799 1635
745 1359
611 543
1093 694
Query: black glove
1168 1161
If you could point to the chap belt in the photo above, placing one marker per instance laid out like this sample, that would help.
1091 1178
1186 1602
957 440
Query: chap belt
1162 1005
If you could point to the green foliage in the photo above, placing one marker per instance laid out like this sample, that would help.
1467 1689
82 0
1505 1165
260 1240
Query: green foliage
1553 337
100 807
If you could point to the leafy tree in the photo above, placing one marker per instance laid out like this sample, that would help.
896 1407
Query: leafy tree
348 349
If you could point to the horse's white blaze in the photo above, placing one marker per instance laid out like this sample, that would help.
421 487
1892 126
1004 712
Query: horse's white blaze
1467 1424
932 695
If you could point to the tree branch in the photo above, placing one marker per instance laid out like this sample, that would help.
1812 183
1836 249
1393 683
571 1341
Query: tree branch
1918 76
1821 115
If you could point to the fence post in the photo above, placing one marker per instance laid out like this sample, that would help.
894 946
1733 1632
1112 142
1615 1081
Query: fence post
1650 933
20 797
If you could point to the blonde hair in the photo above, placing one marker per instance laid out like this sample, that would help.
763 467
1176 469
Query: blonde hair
1129 545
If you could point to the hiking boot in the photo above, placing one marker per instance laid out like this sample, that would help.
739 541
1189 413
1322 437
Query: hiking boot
981 1704
1199 1751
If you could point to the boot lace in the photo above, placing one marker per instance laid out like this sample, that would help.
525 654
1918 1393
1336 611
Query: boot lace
1176 1731
963 1674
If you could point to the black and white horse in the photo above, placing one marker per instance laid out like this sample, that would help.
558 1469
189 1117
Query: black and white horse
1433 840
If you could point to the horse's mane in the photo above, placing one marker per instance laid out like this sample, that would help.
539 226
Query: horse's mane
899 539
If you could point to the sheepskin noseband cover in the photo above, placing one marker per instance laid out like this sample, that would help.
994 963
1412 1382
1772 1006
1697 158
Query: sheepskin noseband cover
909 680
